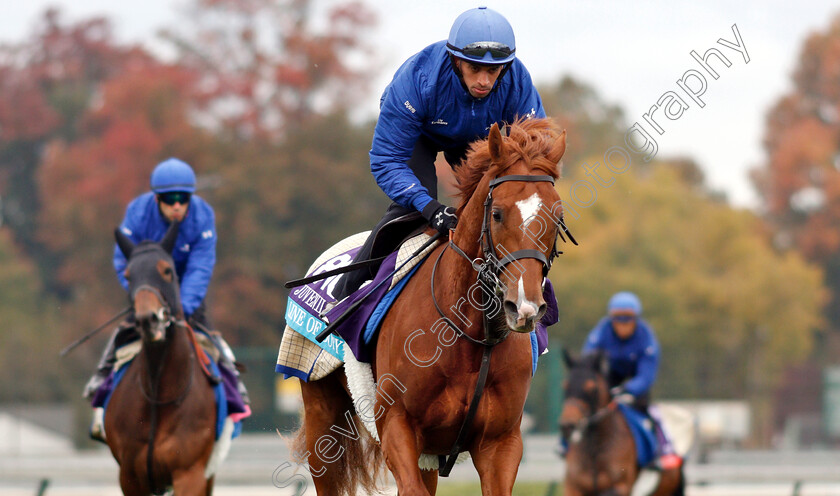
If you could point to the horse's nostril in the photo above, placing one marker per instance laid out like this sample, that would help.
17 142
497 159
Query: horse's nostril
542 310
510 308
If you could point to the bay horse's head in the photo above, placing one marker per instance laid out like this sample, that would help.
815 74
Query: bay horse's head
585 390
152 284
507 188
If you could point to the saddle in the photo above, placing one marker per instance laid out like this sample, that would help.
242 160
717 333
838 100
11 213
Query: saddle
395 232
310 306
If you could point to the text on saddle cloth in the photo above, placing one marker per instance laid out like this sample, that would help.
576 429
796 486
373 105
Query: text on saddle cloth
306 303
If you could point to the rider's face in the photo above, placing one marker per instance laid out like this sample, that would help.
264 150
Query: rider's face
623 324
175 212
479 79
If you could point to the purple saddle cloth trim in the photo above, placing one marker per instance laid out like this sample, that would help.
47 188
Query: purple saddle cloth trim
352 328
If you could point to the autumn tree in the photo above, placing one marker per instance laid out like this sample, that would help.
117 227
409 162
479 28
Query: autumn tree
592 125
268 66
47 82
729 311
799 184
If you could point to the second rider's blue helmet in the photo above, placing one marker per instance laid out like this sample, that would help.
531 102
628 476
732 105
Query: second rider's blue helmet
482 36
173 175
625 301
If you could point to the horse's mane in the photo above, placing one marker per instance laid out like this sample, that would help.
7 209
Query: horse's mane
527 139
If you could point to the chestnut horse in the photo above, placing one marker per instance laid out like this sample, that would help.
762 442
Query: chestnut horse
601 455
479 292
161 419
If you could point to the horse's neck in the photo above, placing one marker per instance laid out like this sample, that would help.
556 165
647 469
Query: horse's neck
172 360
600 437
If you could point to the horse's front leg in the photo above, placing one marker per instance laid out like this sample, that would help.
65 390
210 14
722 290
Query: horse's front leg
497 462
399 444
190 482
131 485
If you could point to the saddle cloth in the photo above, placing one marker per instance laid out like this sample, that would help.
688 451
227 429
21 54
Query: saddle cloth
642 429
678 427
300 355
228 402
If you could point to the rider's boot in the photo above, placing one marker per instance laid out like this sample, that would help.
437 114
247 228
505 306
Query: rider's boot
104 368
667 458
228 361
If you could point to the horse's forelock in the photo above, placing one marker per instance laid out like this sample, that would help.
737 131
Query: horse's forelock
527 139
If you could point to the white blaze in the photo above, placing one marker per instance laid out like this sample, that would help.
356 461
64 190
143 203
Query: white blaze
529 208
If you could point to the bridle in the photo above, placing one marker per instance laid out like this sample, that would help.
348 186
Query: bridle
490 267
488 270
166 320
573 431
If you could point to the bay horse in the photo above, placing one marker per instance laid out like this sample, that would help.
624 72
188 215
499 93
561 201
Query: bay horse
161 419
601 457
440 391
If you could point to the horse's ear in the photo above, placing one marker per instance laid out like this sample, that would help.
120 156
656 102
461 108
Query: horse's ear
168 241
567 359
125 244
558 149
495 144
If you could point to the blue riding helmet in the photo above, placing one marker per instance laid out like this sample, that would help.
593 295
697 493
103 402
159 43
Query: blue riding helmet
625 301
173 175
482 36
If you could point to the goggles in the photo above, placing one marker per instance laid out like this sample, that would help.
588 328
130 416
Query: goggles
623 318
479 49
173 197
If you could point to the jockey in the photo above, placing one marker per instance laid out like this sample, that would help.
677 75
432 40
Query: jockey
148 216
440 100
633 352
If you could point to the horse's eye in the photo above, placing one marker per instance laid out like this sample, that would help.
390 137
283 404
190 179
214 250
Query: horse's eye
497 215
167 271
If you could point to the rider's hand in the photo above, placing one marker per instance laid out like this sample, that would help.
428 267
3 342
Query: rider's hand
619 395
440 216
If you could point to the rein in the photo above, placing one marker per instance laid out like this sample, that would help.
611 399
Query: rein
152 398
488 270
594 418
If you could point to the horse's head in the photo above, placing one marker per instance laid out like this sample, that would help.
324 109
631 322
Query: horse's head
152 283
507 183
585 390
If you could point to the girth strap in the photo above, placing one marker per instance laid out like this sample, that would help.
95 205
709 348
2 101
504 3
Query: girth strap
462 434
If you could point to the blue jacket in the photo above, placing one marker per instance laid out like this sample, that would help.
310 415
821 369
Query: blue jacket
636 359
195 248
427 98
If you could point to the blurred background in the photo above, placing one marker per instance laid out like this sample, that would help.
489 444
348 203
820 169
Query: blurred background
730 234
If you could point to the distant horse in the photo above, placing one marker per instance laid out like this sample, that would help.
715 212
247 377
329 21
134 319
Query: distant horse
601 457
161 419
480 292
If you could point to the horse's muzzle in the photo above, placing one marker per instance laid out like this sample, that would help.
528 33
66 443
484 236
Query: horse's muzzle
153 324
523 317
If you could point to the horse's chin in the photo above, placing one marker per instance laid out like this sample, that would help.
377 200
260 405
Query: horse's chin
154 335
522 326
